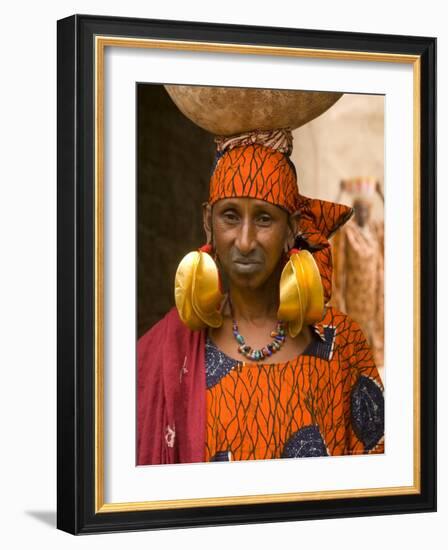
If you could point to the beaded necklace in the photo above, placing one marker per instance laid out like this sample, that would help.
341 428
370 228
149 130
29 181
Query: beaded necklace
278 335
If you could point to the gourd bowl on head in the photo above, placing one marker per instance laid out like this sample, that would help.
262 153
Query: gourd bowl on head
228 111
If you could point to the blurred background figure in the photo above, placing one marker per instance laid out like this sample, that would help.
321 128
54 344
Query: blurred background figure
358 256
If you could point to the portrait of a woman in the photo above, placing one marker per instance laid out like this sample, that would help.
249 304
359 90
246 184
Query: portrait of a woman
252 362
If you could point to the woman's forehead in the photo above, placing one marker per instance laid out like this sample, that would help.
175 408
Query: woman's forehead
248 203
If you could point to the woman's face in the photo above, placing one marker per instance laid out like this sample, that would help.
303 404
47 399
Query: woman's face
249 237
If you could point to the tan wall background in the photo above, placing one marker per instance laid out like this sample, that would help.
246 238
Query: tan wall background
347 141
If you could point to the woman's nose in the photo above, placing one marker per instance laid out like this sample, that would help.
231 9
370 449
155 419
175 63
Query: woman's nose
245 241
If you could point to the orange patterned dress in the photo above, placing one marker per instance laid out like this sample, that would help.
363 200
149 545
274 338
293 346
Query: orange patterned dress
327 401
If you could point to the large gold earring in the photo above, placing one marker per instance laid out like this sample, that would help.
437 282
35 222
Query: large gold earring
301 292
197 291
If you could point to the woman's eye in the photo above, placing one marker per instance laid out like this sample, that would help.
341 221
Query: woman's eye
230 216
265 219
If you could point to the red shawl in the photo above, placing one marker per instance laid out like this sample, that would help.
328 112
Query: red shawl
171 419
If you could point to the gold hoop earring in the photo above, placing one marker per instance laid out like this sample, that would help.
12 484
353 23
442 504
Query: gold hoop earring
301 292
197 290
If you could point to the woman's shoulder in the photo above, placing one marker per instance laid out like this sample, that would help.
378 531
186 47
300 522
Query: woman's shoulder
339 328
337 320
169 321
170 332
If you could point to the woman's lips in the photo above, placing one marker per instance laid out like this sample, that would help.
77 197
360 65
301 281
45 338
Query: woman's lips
244 266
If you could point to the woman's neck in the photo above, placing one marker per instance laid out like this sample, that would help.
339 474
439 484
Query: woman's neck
255 305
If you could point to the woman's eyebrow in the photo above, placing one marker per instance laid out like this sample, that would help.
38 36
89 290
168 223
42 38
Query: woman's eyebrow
229 205
263 209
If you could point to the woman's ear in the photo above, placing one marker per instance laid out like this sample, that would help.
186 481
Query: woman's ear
207 220
293 229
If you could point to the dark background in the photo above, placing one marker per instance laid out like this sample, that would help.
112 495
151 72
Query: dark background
174 164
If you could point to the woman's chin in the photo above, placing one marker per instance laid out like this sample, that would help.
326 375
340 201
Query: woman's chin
249 281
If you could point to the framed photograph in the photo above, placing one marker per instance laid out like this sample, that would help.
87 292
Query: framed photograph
246 274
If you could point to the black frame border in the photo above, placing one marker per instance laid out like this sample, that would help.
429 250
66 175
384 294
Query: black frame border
76 262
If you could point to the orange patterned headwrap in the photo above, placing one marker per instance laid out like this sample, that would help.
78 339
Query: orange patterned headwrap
257 172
